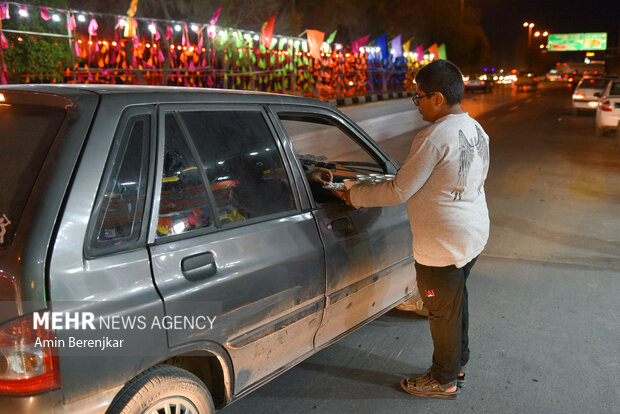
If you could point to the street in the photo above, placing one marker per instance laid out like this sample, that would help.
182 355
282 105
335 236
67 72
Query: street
544 308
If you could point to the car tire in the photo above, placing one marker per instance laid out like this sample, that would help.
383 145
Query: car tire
599 132
166 388
575 111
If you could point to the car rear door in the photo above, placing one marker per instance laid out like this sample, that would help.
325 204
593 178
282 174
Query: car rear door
229 239
368 251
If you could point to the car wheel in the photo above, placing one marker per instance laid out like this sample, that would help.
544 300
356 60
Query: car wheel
599 132
163 388
575 111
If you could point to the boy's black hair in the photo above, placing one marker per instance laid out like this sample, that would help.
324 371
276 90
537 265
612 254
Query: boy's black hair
442 76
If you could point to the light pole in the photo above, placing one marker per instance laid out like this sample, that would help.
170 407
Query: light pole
529 33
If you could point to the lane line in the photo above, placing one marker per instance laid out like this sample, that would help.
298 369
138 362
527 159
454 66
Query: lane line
514 108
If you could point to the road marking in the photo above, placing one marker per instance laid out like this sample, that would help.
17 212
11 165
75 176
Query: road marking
528 101
514 107
585 183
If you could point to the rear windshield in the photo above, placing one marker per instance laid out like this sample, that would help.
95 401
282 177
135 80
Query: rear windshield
593 83
27 132
615 89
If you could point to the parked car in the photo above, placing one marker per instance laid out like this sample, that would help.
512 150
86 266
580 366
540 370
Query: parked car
162 247
608 110
588 92
526 81
478 83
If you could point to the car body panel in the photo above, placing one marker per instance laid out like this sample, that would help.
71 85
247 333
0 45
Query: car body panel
588 92
286 284
610 99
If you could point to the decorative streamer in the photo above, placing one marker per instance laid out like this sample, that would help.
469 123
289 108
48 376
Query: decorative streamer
45 13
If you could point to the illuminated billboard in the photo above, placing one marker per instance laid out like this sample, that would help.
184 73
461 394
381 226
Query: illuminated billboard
576 41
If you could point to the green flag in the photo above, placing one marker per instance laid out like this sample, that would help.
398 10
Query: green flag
442 51
331 37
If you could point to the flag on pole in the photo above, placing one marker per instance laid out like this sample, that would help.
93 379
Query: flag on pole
419 51
215 16
133 8
315 41
434 51
267 31
331 37
442 52
361 42
407 45
397 46
381 42
92 27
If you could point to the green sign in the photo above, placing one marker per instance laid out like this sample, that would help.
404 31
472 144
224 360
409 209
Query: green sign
576 41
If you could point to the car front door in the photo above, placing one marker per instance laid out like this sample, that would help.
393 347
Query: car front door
229 239
368 250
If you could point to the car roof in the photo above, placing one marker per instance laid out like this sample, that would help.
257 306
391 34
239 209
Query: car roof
163 94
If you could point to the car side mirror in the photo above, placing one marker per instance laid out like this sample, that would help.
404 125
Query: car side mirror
597 94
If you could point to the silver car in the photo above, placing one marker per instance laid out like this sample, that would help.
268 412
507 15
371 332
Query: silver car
165 249
588 92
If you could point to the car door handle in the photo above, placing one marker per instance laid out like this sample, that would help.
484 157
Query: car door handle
341 225
198 267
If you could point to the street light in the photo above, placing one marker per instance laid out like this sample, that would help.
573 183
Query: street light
529 33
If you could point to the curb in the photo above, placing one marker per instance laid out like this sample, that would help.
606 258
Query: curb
368 98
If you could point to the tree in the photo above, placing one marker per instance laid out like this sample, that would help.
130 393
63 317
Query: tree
42 57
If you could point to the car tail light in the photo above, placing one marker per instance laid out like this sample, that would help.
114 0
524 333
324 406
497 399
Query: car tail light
483 82
606 106
579 96
28 358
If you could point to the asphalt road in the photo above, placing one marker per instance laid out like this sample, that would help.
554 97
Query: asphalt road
544 296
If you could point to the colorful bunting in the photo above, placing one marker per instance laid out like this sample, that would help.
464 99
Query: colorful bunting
45 13
407 45
4 11
315 40
215 16
3 42
419 51
92 27
381 41
397 46
331 37
267 32
361 42
434 50
442 52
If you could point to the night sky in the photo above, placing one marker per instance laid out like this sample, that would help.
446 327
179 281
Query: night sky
503 20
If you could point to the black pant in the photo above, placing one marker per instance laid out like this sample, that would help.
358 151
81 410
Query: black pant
444 293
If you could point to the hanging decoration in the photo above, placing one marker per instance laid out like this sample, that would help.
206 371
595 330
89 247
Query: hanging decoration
267 32
213 56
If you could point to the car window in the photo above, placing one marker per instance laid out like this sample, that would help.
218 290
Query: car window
320 142
593 83
242 163
615 89
184 202
27 134
116 222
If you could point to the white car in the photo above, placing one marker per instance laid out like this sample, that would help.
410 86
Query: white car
608 110
588 92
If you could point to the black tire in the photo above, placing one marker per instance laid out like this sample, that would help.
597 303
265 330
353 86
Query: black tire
575 111
161 386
